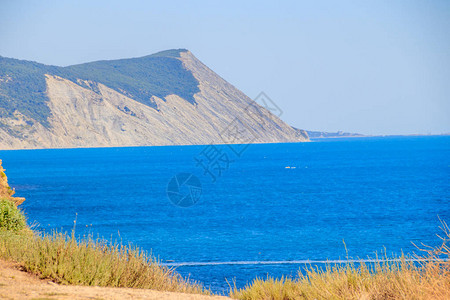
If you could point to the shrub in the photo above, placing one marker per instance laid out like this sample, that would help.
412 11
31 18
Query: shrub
11 218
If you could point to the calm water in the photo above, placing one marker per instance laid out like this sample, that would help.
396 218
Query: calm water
369 192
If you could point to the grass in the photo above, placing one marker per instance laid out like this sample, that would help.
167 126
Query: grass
64 259
90 262
418 277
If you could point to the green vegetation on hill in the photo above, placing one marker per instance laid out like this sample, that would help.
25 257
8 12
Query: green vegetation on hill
158 75
23 87
169 53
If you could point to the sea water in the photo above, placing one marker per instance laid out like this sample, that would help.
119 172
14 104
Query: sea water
252 210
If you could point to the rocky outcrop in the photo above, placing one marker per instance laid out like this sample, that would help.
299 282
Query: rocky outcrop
92 114
5 191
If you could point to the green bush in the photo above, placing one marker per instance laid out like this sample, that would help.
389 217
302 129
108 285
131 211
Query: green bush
11 218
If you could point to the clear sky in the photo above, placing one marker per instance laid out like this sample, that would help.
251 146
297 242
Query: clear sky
374 67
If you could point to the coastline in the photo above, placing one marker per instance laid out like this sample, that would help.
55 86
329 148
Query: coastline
220 144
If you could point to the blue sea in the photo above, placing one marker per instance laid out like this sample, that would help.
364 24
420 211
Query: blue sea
257 210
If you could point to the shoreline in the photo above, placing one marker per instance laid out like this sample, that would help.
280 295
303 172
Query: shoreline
311 140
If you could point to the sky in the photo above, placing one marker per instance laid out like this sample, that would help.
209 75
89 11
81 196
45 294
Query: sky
371 67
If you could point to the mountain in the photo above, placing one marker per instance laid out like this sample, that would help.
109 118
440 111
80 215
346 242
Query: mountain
168 98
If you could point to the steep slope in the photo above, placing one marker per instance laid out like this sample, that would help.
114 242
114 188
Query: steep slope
169 98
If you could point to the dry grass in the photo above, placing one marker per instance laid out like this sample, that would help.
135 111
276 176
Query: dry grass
427 277
90 262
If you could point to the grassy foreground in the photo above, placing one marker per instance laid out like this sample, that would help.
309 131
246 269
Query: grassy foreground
427 277
89 262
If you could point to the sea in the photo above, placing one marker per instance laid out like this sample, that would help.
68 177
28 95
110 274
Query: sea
226 214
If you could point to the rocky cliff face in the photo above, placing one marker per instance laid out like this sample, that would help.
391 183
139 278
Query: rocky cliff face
5 191
88 113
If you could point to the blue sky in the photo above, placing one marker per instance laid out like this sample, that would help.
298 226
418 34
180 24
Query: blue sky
374 67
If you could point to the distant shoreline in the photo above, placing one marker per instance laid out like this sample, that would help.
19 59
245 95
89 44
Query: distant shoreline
311 139
380 136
